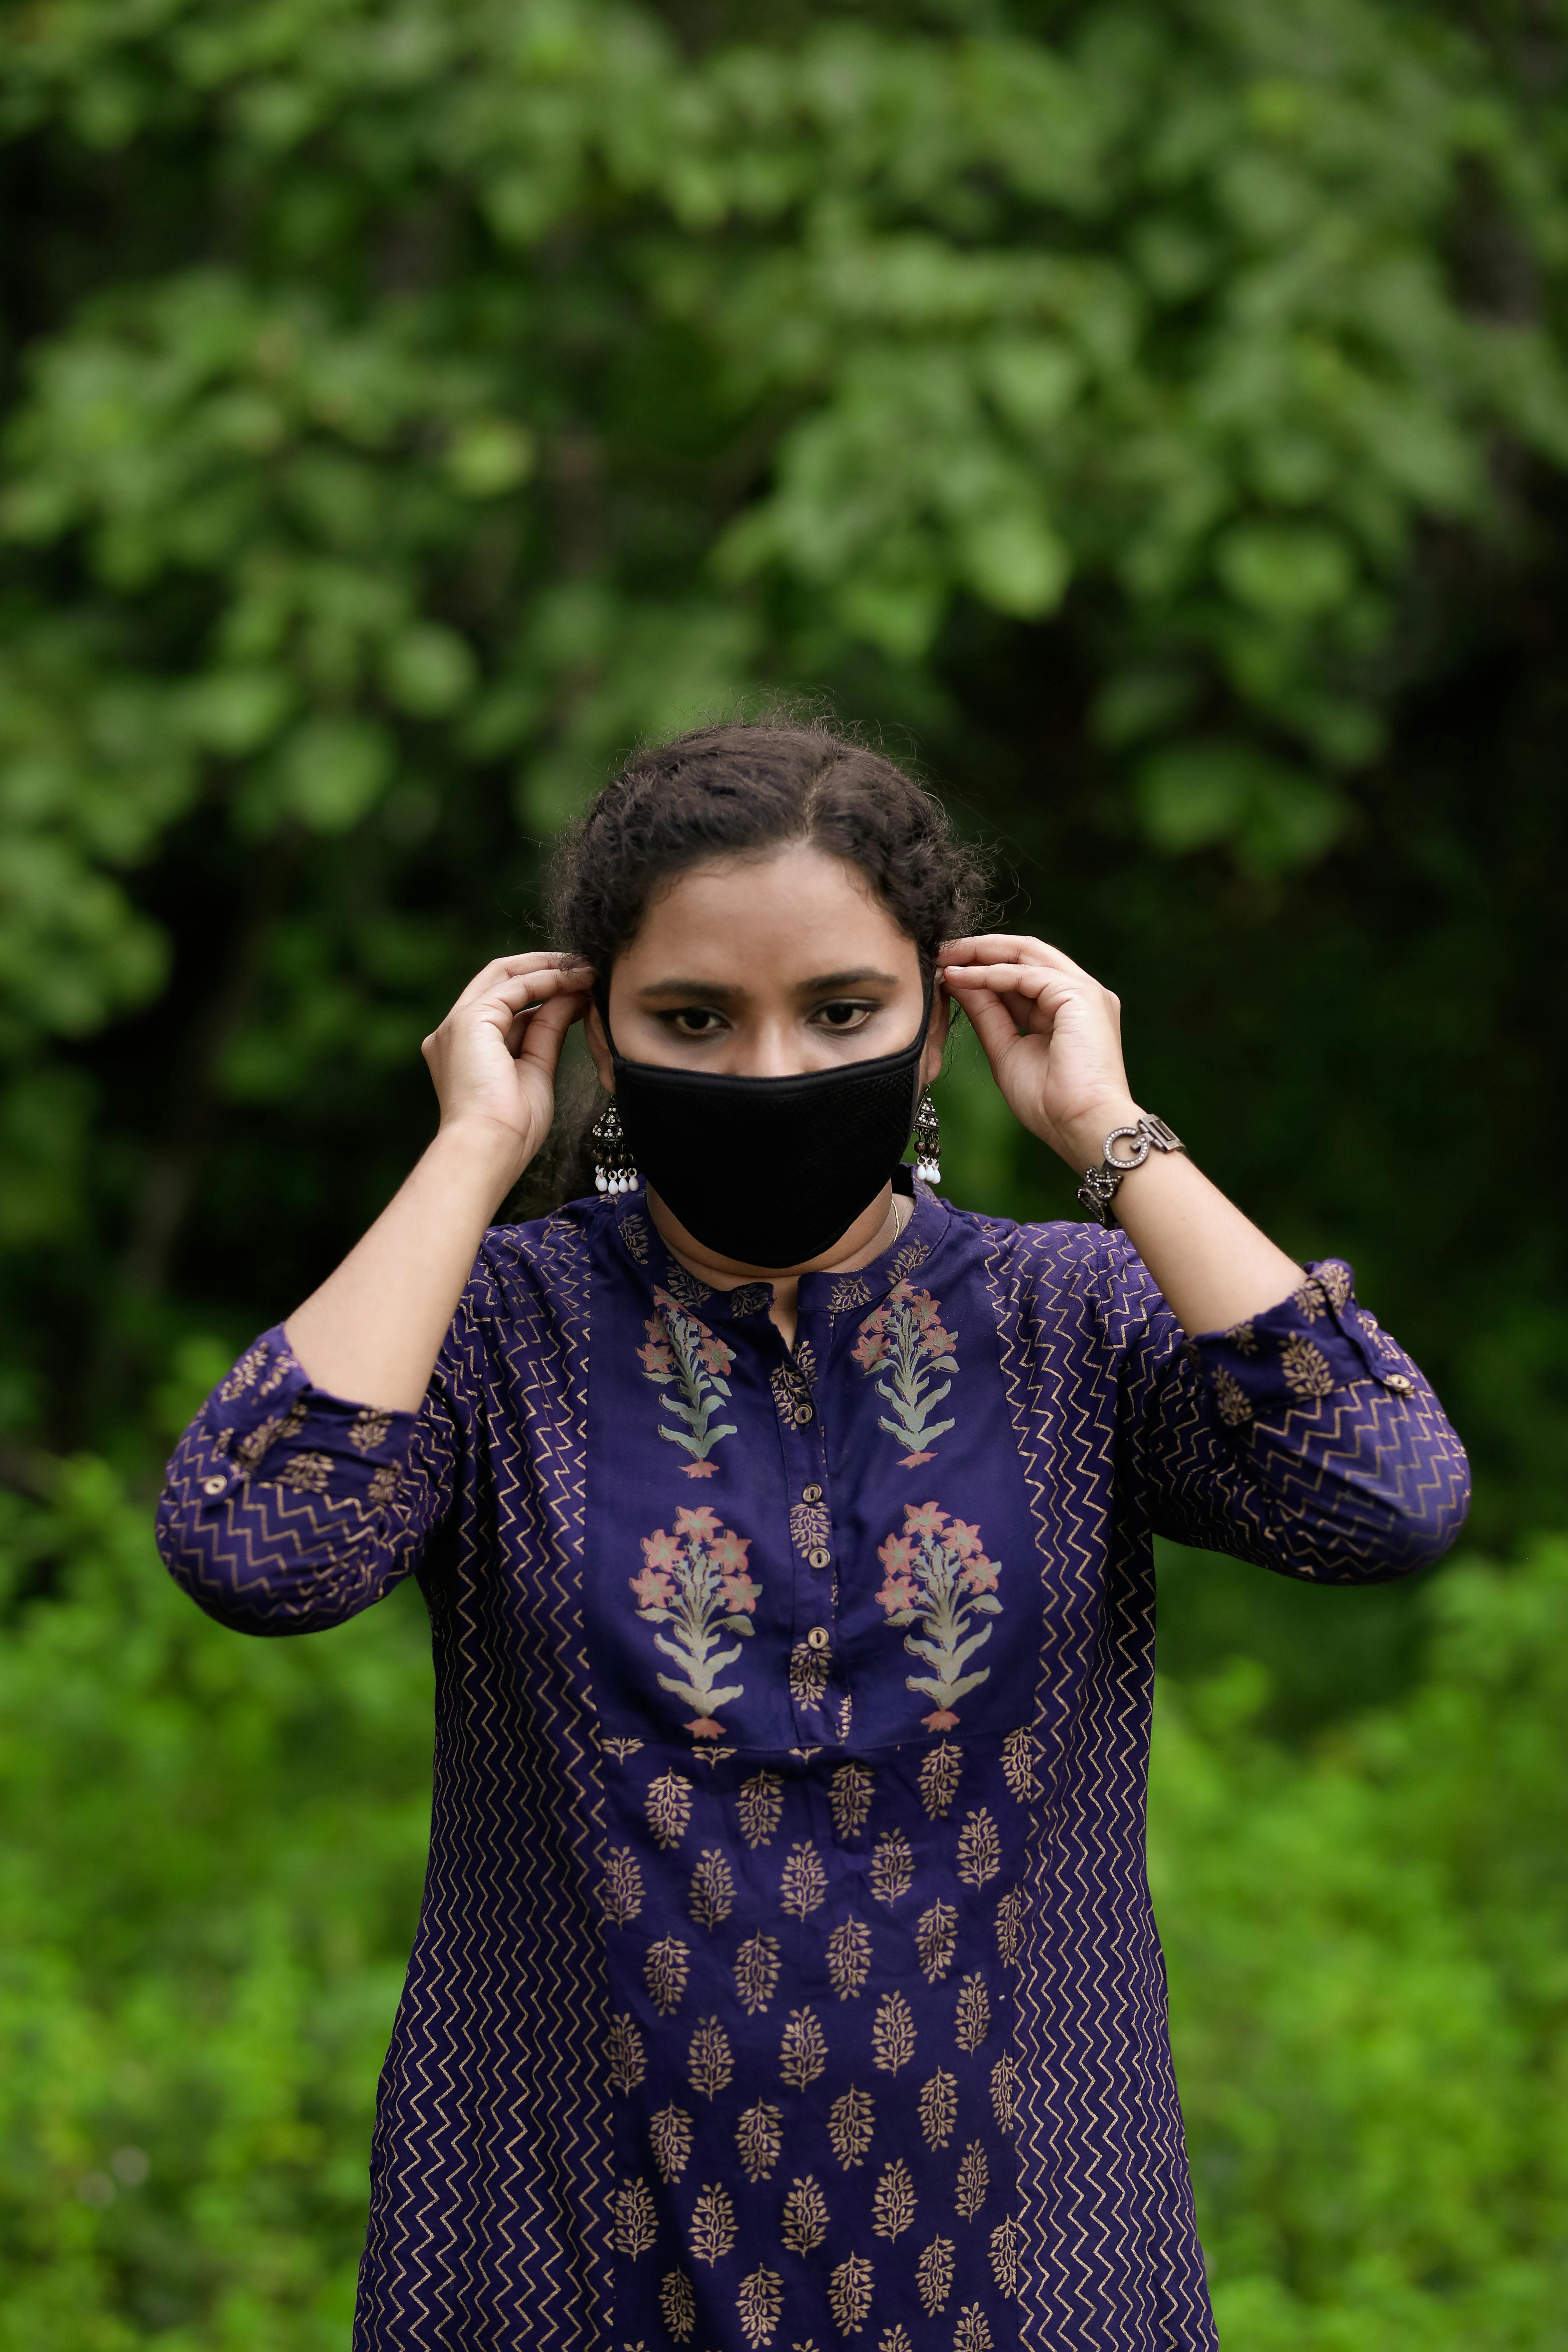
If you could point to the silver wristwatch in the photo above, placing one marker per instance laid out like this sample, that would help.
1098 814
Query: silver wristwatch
1101 1185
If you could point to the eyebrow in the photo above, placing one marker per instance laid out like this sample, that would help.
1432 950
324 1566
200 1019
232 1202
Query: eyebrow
822 983
855 979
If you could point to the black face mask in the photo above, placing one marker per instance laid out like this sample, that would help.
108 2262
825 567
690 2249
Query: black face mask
769 1172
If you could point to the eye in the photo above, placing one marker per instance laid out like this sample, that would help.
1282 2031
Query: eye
694 1021
842 1016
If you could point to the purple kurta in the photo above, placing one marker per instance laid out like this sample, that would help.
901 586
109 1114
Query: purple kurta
787 1975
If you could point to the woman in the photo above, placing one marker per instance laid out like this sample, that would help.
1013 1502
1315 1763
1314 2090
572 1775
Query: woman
786 1974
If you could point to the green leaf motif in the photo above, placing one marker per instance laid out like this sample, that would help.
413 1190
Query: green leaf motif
679 1349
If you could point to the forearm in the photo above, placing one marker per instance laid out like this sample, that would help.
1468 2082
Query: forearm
1213 1265
373 1330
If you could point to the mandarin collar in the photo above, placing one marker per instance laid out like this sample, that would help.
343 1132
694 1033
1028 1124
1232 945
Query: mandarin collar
833 1292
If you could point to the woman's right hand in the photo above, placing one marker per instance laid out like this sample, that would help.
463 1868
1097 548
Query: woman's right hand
493 1058
373 1331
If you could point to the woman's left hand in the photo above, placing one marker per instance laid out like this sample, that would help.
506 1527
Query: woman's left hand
1053 1038
1052 1035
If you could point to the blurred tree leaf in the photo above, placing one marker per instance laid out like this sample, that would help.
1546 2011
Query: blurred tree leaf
1366 1967
1198 793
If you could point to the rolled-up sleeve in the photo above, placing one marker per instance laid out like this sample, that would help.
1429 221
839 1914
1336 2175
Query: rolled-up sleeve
285 1508
1304 1439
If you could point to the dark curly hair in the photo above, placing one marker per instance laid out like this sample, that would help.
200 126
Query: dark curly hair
738 790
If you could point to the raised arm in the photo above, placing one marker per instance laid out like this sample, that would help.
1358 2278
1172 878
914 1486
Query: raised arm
313 1477
373 1328
1290 1429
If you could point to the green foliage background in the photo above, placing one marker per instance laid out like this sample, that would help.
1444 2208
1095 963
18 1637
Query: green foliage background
1154 413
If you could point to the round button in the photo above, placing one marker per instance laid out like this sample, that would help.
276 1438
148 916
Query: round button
214 1486
803 1413
819 1556
811 1494
818 1638
1398 1383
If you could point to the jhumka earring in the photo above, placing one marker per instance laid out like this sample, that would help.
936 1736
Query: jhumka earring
614 1168
928 1141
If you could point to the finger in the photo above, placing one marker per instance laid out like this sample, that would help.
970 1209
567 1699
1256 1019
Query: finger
995 1025
503 968
1030 980
533 987
540 1043
573 1001
507 1000
1007 946
991 947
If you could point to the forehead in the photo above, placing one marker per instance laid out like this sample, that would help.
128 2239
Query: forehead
782 908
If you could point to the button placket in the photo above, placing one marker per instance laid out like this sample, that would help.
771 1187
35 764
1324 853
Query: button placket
817 1554
814 1660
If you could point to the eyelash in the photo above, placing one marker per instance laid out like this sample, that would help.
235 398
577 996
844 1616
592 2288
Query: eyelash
705 1013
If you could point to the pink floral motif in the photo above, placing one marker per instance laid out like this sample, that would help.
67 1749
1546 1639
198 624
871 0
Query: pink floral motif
905 1340
937 1571
697 1583
653 1591
742 1591
898 1557
681 1351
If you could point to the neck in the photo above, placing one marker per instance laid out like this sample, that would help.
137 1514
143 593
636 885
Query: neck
873 1231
